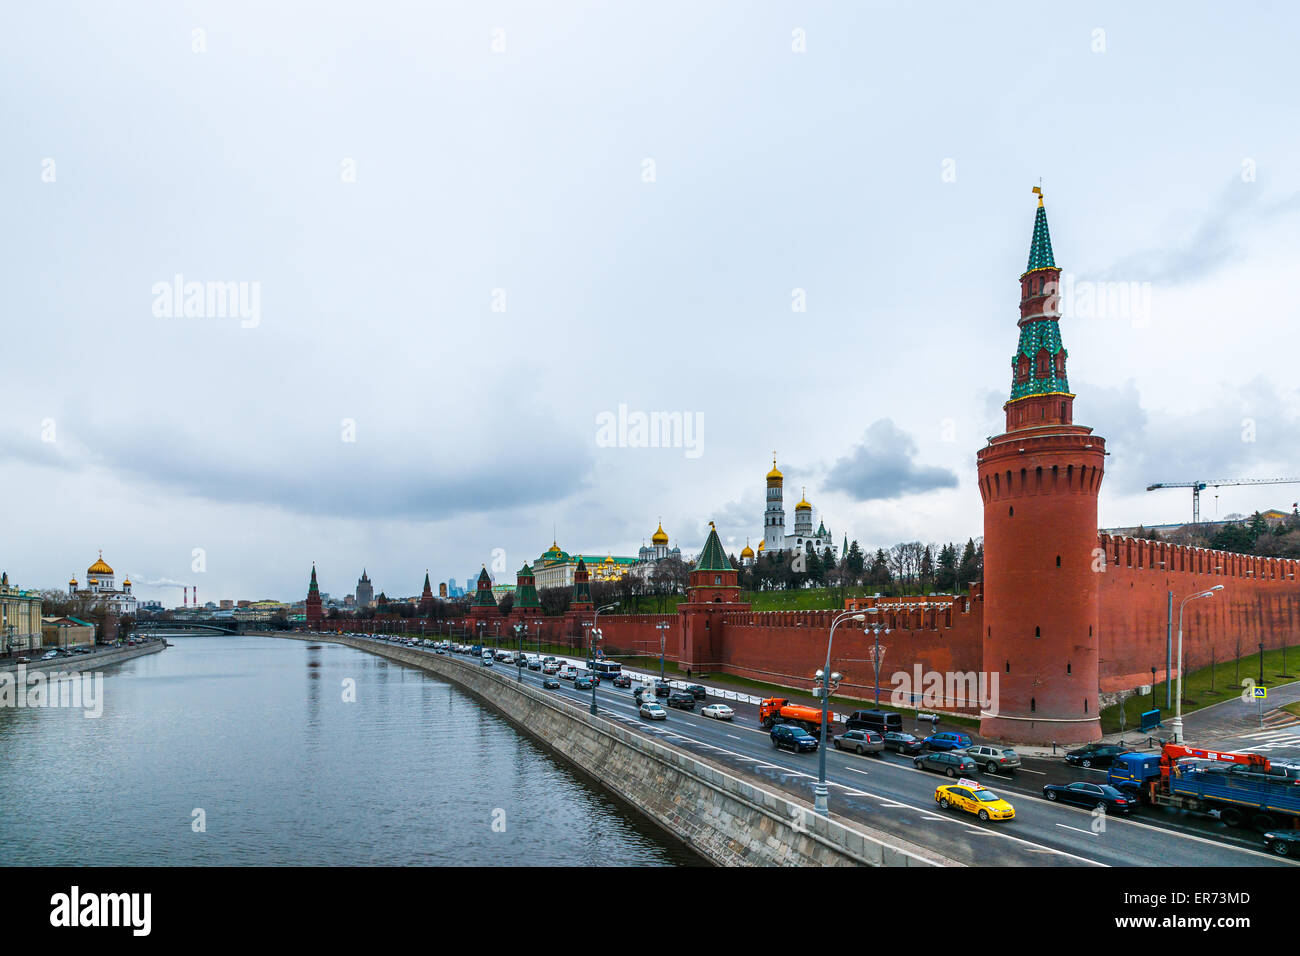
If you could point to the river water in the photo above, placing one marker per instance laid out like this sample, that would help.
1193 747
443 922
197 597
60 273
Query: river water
252 737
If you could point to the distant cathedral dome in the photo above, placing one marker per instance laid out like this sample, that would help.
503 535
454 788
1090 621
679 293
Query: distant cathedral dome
803 504
747 551
775 473
99 567
659 537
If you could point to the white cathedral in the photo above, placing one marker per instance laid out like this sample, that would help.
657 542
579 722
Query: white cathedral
775 540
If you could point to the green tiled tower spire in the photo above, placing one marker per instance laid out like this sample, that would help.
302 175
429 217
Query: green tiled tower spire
581 589
483 597
1040 248
526 589
1038 367
713 558
313 588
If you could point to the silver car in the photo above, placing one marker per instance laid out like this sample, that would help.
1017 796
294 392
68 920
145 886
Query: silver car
859 741
993 759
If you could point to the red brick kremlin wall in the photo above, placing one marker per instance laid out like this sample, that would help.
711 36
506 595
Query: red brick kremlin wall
1260 601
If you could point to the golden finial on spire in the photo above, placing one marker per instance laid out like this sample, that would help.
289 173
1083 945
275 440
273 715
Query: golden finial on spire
1038 191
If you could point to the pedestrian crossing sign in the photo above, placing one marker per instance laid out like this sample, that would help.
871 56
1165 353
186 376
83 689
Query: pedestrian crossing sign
1260 691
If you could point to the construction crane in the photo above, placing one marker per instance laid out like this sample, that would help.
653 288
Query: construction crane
1199 486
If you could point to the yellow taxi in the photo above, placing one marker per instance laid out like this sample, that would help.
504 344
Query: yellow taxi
970 796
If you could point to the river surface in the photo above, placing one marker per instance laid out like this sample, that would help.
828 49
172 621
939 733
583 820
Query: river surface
252 737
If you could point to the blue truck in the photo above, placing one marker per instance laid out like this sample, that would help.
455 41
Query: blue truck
1243 788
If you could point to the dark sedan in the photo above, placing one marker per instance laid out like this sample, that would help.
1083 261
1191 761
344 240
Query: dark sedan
622 680
1283 842
683 699
1093 796
1100 756
697 691
952 765
550 683
901 743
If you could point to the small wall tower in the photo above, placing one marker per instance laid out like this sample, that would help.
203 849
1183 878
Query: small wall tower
315 613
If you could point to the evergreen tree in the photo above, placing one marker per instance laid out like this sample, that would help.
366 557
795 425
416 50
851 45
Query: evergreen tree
946 577
969 568
927 569
856 560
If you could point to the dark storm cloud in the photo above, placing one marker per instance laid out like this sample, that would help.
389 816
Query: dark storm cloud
1214 241
424 478
883 466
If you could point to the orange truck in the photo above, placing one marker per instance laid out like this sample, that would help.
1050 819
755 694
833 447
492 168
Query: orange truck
778 710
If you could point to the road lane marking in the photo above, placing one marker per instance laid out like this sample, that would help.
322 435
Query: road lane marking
1075 829
856 770
1041 773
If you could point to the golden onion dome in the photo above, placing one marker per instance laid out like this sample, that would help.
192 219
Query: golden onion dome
126 582
760 545
803 504
775 473
747 551
99 567
72 581
660 536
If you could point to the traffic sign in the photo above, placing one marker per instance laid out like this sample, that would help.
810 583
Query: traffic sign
1260 691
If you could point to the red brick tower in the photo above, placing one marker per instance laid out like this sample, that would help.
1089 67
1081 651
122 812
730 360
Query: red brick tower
527 607
1039 481
485 602
713 590
315 614
581 611
426 597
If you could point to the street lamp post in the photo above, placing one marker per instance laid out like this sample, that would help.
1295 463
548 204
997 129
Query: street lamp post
662 628
827 679
519 660
593 636
876 628
1178 694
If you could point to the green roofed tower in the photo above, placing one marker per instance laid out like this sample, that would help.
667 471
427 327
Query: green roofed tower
526 589
1040 391
581 587
713 558
483 593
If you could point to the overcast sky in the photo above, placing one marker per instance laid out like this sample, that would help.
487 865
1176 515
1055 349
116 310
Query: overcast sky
474 229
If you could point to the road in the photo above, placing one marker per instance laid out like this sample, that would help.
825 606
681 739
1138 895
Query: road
891 795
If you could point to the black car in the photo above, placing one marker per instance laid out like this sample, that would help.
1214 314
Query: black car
683 699
949 764
697 691
534 664
1098 796
793 738
1283 842
881 721
550 683
1100 756
662 689
622 680
901 743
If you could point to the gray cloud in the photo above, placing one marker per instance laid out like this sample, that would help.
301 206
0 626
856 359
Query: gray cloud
1246 431
1214 241
883 466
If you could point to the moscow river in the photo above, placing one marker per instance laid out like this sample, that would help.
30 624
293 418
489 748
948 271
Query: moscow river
251 736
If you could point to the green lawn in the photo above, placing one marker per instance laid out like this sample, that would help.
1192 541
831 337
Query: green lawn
1197 691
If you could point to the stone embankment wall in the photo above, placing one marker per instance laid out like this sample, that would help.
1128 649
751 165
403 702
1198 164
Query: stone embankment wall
727 820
